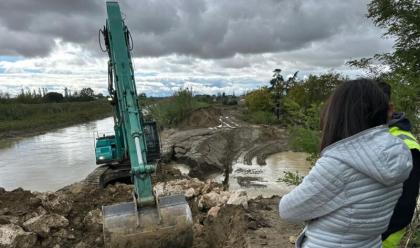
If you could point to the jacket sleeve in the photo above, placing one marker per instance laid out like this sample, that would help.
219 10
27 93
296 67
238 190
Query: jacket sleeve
320 193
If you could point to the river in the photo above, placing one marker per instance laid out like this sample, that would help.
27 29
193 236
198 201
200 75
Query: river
50 161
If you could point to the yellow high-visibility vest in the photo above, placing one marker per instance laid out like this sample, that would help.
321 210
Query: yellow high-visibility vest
407 137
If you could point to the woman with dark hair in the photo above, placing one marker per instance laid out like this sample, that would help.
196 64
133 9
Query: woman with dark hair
348 197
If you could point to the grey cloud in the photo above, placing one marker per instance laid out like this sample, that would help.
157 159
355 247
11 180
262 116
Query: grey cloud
196 28
29 28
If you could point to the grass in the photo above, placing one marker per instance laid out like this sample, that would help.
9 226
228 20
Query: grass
19 119
304 140
260 117
173 110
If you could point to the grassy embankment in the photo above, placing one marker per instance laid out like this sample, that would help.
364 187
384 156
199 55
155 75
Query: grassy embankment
25 119
171 111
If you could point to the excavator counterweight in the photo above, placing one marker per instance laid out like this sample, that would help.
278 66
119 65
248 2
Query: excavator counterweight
149 220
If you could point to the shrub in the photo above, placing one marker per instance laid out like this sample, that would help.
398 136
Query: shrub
171 111
304 140
260 100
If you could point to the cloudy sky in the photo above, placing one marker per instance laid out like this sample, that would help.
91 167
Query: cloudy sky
212 46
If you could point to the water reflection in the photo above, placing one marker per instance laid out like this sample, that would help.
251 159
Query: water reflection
257 179
263 180
50 161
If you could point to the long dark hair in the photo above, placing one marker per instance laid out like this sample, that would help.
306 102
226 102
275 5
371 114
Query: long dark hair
355 105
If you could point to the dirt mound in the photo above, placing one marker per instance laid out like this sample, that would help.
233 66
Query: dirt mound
209 151
202 118
71 217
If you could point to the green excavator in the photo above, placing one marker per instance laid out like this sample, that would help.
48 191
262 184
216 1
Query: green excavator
149 220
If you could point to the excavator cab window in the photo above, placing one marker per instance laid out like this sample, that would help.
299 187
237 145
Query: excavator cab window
152 141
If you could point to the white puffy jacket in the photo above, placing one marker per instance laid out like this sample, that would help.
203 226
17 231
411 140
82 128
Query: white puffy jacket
348 197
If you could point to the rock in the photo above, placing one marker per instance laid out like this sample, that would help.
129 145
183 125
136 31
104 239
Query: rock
198 228
4 211
292 239
14 236
225 195
81 244
4 220
217 190
42 224
34 201
180 150
76 188
206 189
238 198
252 225
9 219
77 221
122 187
98 241
93 220
41 211
214 211
2 190
56 203
18 190
263 236
189 193
187 187
62 233
264 242
209 200
111 188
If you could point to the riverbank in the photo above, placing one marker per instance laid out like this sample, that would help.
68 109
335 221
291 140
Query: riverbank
23 120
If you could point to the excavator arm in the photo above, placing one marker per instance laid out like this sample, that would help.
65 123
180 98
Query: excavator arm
128 114
149 220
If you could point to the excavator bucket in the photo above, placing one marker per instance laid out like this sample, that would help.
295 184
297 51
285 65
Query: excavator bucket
167 225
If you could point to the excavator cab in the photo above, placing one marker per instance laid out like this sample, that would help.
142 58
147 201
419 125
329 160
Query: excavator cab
105 147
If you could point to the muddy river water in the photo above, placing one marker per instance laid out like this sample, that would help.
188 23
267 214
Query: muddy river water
262 179
50 161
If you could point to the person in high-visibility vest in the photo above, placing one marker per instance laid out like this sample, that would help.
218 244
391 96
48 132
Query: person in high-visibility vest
400 127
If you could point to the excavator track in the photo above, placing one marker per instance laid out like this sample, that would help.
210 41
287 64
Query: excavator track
107 174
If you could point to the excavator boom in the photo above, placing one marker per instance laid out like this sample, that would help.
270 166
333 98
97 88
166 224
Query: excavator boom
149 220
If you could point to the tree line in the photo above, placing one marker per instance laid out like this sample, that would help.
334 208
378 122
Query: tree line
42 95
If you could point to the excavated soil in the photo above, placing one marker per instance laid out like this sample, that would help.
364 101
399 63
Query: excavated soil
234 226
209 150
202 118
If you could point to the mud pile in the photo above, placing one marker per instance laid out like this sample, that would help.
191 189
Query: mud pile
208 151
201 118
71 217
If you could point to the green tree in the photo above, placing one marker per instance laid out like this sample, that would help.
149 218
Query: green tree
401 20
315 89
53 97
281 88
260 100
87 94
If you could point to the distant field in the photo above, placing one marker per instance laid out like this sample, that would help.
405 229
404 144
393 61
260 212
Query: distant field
22 119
